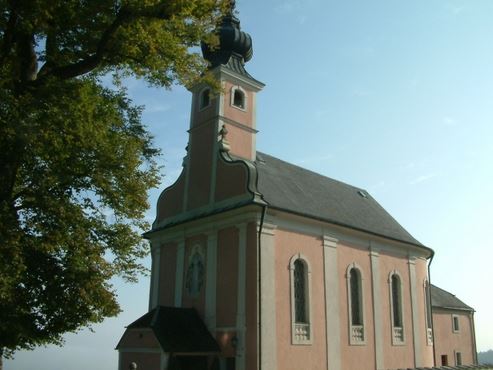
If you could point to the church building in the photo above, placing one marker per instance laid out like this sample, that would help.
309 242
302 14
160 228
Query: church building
258 264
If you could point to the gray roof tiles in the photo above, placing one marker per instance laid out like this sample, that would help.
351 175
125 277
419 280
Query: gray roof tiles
442 299
294 189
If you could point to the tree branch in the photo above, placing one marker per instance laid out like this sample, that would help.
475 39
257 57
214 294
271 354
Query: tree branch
86 65
8 36
27 54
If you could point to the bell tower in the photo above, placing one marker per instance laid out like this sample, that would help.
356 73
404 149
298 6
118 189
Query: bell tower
232 111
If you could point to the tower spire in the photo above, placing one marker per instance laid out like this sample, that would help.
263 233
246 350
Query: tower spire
235 46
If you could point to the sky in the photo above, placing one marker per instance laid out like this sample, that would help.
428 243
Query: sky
392 96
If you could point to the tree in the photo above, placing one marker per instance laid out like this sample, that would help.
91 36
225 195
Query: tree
75 159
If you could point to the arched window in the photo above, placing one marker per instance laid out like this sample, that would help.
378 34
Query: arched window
429 326
396 308
300 300
300 292
205 98
238 98
355 305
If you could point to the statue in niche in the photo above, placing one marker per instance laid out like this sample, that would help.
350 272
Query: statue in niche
195 271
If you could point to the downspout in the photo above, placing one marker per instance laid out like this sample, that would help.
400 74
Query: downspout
431 309
259 276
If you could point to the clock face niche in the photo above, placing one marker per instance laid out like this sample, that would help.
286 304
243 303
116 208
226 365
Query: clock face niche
195 271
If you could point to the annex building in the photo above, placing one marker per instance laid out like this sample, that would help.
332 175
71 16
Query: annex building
258 264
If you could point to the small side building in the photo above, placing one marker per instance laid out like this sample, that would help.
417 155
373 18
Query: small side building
453 324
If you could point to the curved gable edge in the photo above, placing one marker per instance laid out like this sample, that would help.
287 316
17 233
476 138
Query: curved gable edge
162 209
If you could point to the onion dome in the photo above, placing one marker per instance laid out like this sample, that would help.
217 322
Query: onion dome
235 46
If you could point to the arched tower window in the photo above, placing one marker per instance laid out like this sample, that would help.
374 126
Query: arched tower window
396 308
355 305
300 300
205 98
238 98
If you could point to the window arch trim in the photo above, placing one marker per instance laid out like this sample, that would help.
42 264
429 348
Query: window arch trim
301 333
398 332
356 333
238 88
202 105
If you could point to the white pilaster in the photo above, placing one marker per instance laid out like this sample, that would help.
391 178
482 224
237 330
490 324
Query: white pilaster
377 308
418 355
180 262
155 272
211 281
164 360
332 311
268 298
241 308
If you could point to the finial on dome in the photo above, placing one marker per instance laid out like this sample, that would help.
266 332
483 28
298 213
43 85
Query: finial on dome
232 6
235 46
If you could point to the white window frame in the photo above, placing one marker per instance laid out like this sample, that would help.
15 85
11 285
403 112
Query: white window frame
454 330
356 333
457 354
232 98
398 334
201 93
306 336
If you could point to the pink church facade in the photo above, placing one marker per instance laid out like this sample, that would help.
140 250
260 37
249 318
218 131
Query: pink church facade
260 264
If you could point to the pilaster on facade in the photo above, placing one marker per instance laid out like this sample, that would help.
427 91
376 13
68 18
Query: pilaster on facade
267 299
241 300
180 265
377 307
417 328
211 281
155 276
332 305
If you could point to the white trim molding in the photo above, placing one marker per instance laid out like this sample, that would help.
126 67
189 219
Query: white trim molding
211 281
241 299
398 333
180 262
301 332
332 306
377 307
455 324
233 91
155 276
417 333
356 332
428 313
268 323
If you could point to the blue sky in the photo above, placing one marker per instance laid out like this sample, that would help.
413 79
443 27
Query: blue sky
390 95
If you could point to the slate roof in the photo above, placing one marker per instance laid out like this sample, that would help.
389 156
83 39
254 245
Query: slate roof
294 189
178 330
442 299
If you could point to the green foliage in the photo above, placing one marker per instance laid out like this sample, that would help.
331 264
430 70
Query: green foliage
75 159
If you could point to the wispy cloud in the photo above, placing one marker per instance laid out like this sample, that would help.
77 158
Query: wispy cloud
157 107
423 178
360 92
449 121
287 6
292 7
